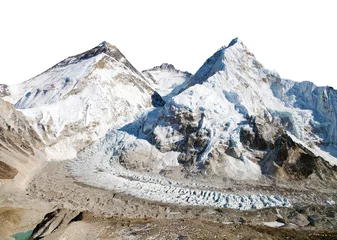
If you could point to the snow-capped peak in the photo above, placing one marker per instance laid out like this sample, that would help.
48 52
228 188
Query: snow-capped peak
105 44
235 55
78 99
232 43
104 47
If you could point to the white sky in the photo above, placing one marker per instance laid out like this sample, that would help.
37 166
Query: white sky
296 38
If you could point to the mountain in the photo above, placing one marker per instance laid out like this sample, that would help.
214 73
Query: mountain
167 80
76 101
21 148
234 116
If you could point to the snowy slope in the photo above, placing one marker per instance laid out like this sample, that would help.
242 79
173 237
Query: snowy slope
321 101
79 99
167 80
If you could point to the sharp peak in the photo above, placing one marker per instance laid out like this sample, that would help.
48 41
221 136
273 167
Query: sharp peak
106 44
234 42
103 47
217 61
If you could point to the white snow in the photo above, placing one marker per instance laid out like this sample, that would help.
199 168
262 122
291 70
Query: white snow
274 224
75 104
167 81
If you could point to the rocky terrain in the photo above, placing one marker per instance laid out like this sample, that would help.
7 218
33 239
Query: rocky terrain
94 149
21 148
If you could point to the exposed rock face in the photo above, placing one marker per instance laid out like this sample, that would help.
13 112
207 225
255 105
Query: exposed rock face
16 133
157 100
6 171
18 143
291 160
4 91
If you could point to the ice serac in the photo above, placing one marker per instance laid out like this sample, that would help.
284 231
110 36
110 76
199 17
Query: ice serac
167 80
230 115
321 101
76 101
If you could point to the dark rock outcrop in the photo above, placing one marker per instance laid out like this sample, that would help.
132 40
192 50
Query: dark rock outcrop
291 160
157 100
6 171
56 220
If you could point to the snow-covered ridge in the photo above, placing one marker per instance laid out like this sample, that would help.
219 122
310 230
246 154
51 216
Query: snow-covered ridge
167 80
165 67
103 47
78 100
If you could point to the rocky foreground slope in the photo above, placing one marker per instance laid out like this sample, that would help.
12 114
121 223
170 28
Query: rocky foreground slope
21 148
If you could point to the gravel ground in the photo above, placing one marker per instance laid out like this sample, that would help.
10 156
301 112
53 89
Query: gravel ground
110 215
